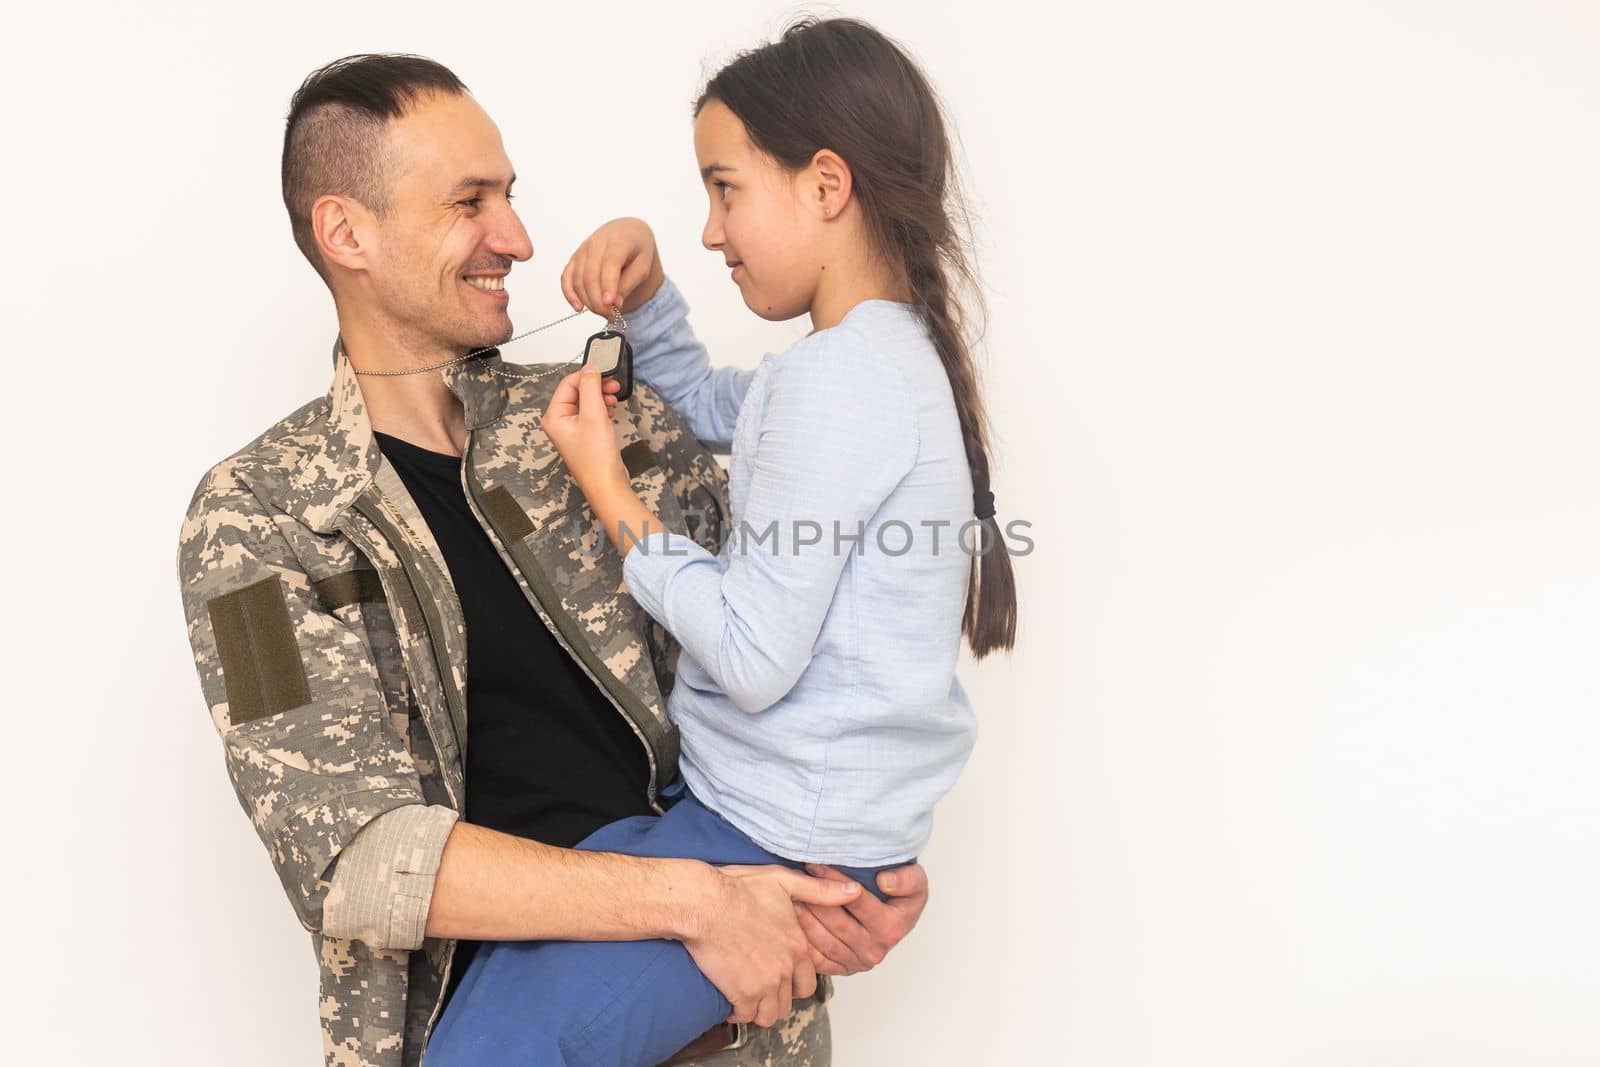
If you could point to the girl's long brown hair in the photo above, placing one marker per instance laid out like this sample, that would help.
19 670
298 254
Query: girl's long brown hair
840 84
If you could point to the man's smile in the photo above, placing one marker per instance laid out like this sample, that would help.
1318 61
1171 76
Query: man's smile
492 284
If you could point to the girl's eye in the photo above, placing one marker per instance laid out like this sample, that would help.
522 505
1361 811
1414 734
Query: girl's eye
722 189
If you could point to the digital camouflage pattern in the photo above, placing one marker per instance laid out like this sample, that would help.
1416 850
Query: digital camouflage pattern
332 653
804 1039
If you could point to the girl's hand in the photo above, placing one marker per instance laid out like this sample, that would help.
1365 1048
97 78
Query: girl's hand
578 423
616 266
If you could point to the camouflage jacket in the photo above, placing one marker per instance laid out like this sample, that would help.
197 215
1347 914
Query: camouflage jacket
332 651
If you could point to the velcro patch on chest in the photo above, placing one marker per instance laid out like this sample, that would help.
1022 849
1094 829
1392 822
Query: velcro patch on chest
351 587
637 457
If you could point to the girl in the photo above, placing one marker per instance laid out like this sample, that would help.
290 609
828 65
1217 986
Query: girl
816 696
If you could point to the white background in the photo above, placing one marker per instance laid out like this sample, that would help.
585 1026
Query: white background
1293 361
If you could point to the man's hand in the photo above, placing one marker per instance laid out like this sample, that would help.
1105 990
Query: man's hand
857 936
749 943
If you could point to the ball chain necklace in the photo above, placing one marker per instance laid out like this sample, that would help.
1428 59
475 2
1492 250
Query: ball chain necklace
615 329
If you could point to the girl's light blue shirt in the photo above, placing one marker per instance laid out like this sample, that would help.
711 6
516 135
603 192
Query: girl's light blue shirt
816 692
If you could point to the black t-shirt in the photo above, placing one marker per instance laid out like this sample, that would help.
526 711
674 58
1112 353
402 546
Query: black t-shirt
548 757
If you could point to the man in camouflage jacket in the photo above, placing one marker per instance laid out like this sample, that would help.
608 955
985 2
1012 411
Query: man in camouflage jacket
332 653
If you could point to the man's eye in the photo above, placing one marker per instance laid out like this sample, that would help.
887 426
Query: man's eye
474 202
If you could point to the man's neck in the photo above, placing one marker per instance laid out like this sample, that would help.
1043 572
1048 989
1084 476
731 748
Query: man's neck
418 408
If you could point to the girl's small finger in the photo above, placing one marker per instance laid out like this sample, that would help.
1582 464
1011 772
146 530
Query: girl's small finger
578 262
566 287
592 285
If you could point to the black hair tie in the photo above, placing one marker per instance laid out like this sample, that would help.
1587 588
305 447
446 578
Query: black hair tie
983 504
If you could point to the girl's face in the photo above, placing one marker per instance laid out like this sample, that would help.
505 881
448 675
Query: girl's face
766 231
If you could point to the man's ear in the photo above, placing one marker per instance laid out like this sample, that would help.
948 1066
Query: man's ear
338 223
830 183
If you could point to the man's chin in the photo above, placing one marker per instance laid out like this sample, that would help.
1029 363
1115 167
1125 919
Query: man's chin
486 334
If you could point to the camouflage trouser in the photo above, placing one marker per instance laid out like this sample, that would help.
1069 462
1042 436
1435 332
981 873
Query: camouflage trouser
804 1039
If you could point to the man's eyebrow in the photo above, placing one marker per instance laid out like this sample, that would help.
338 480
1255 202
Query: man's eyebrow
712 168
466 184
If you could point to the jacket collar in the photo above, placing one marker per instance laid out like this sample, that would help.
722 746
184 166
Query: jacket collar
341 462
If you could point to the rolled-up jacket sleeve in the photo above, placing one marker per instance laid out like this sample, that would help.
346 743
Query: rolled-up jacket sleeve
838 432
668 355
382 882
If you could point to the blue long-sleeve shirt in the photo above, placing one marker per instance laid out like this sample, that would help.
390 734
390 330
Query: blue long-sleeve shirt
816 693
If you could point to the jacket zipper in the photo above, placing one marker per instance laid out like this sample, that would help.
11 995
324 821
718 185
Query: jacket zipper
566 633
430 613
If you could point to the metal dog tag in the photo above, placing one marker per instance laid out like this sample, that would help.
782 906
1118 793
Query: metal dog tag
610 351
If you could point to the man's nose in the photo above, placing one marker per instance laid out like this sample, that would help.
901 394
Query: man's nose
510 237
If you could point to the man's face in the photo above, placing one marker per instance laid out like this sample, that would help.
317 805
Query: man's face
450 236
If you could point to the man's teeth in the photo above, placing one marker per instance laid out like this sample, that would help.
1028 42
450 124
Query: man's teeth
494 285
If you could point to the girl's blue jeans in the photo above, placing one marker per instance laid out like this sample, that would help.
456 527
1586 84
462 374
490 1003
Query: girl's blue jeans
593 1003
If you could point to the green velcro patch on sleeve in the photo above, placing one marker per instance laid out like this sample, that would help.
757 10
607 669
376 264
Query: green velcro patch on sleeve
638 457
261 666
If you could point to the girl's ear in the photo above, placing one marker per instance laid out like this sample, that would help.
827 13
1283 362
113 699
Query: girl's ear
830 183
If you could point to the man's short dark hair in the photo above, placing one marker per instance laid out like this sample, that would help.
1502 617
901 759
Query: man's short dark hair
335 140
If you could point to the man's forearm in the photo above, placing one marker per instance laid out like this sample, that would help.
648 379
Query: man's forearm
496 887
